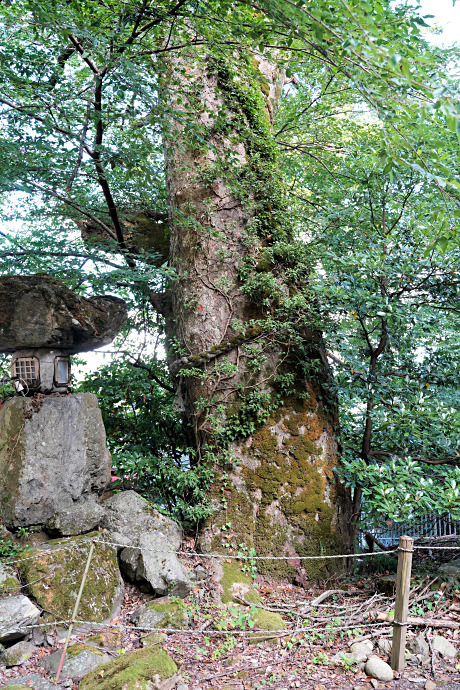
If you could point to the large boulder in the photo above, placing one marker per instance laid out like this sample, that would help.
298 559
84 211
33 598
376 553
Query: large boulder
129 515
39 311
153 565
17 613
150 668
53 572
53 462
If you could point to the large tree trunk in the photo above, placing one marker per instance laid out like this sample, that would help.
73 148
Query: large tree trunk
252 382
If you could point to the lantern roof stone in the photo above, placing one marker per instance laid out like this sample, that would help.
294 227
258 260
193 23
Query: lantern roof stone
38 311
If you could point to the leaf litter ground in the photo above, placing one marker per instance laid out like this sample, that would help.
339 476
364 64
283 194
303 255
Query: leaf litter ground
309 660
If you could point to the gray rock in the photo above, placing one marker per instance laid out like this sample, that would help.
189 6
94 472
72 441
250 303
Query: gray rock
378 669
360 651
384 646
17 654
78 518
33 681
199 574
419 645
451 569
430 685
131 515
39 637
120 540
9 583
161 613
16 613
444 647
155 564
39 311
42 482
79 660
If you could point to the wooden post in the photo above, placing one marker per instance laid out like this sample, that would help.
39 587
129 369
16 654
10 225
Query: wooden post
406 547
75 610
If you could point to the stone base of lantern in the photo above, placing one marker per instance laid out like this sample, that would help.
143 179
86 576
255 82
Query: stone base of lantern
54 463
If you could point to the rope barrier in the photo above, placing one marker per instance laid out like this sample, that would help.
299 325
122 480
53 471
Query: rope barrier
44 552
189 631
246 557
443 548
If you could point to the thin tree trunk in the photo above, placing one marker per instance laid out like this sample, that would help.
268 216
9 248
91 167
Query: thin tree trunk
239 347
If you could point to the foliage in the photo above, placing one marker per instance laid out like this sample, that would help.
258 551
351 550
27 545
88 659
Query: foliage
389 297
8 548
146 439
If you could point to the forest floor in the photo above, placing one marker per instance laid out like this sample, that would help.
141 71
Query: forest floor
311 659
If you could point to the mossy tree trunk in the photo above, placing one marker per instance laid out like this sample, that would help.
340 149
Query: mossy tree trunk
245 347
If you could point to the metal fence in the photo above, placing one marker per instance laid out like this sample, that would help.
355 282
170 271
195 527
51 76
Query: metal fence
427 526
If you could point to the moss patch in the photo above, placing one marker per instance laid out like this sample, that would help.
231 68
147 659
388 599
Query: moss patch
286 505
55 574
134 671
12 453
237 584
76 649
153 639
110 639
266 620
10 585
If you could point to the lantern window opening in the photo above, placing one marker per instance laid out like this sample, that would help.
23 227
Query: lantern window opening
61 371
26 369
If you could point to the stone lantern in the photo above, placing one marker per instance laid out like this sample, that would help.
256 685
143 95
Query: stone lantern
54 462
42 323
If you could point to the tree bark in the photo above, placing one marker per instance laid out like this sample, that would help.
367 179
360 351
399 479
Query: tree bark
252 378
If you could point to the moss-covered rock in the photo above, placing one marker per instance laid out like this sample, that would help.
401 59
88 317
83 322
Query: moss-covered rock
386 585
109 639
9 583
144 669
17 654
166 612
75 649
53 577
237 586
266 620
